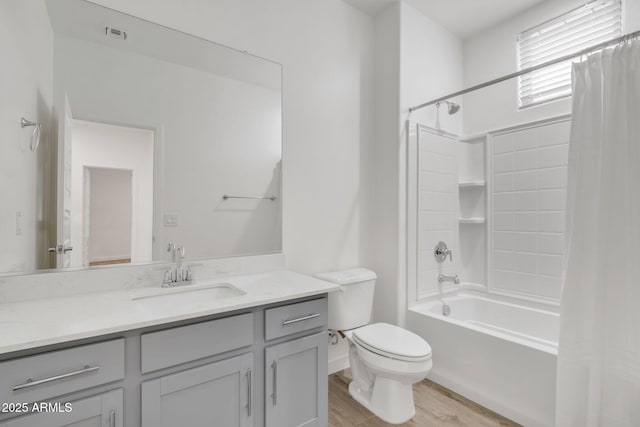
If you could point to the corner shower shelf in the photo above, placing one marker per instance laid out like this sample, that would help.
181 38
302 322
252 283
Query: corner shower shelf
474 220
479 137
471 184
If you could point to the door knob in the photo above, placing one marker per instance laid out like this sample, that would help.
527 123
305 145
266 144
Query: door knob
60 249
57 250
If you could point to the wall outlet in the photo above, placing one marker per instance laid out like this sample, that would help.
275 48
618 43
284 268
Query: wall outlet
170 220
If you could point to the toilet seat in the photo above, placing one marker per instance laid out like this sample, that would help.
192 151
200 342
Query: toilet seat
392 342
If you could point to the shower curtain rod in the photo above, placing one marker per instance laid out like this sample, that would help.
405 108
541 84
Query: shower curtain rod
586 51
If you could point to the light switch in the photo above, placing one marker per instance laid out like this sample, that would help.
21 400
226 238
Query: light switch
171 220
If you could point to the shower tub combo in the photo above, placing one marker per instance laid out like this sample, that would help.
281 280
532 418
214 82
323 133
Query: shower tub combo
495 351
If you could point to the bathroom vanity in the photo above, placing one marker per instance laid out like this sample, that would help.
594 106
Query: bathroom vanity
255 359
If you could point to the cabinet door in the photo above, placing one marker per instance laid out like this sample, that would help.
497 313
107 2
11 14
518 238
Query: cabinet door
296 383
218 394
104 410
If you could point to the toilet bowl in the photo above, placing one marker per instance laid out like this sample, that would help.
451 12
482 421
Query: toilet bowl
385 360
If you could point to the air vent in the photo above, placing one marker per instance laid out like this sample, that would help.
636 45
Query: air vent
115 33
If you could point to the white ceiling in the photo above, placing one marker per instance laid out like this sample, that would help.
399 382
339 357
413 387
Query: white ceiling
462 17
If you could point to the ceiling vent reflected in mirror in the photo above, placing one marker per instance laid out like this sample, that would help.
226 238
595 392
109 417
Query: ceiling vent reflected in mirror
115 33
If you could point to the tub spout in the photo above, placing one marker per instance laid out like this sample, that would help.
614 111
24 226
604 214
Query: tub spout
455 279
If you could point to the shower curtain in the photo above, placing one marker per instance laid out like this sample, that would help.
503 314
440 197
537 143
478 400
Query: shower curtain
598 381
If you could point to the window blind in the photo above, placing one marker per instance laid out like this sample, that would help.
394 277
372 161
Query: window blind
588 25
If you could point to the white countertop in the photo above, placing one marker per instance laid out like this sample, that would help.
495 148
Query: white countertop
40 322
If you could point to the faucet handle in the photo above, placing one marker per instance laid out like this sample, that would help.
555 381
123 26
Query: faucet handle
440 252
167 277
171 247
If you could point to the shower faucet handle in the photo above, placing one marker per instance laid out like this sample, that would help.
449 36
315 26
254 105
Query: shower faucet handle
441 252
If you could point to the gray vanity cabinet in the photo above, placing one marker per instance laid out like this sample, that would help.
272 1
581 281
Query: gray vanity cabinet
263 367
296 382
218 394
104 410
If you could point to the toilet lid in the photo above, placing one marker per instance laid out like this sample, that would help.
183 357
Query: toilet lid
393 342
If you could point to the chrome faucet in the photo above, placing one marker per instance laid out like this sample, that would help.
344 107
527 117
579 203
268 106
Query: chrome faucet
441 252
442 278
179 257
177 275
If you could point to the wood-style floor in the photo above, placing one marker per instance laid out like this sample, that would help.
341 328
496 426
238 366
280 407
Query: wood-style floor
435 407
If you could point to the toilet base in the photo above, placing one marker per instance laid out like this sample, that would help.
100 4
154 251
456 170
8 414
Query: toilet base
389 400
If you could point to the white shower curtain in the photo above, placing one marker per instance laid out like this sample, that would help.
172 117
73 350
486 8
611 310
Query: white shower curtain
599 352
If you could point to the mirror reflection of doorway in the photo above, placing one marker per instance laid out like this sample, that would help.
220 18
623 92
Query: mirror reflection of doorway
108 207
111 194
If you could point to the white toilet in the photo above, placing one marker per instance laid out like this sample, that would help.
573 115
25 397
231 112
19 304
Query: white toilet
386 360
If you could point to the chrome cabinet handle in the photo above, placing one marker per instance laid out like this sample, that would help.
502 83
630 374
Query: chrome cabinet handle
31 383
249 391
112 419
300 319
227 197
274 396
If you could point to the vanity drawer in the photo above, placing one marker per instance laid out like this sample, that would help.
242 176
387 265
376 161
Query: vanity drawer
293 318
47 375
175 346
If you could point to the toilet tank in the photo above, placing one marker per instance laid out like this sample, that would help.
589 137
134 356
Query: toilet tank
351 306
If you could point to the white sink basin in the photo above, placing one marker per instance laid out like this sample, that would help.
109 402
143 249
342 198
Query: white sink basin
190 294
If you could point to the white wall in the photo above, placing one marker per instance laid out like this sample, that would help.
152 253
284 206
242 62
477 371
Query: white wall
431 66
326 50
492 54
26 75
110 207
416 59
385 231
115 147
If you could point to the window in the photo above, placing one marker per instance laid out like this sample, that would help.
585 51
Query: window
593 23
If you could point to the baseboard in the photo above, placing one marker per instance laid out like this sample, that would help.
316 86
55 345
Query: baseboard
338 364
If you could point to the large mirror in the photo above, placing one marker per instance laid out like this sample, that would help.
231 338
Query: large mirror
134 136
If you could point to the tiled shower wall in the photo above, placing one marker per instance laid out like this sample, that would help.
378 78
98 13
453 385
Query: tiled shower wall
529 182
437 209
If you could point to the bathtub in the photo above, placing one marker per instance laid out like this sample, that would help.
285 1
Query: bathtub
495 351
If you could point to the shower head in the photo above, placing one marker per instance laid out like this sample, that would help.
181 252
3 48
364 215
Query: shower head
452 107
